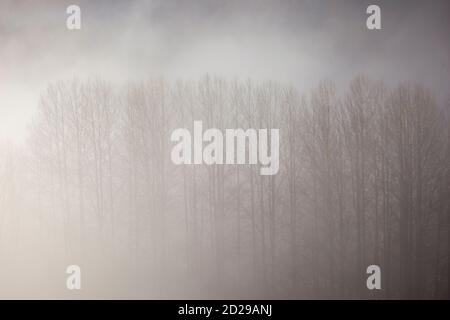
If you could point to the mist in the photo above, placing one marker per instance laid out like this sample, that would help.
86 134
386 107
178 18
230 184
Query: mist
85 170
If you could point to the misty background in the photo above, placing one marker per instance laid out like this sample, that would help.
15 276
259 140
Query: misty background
85 121
295 42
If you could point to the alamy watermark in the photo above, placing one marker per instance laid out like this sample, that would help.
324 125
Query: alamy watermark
73 281
73 21
374 279
236 146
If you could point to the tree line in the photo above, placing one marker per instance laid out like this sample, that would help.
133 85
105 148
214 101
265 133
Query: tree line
364 179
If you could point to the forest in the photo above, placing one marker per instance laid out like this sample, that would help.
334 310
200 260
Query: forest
364 178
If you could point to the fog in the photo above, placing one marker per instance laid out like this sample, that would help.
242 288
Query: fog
134 52
295 42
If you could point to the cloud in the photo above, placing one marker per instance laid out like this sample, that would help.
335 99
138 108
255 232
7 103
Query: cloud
290 41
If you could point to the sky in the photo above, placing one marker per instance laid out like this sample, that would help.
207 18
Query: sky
293 42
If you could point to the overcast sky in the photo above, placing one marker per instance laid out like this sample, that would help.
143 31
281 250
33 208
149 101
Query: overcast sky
296 42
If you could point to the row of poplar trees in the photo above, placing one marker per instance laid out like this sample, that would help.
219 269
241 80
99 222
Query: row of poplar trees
364 179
